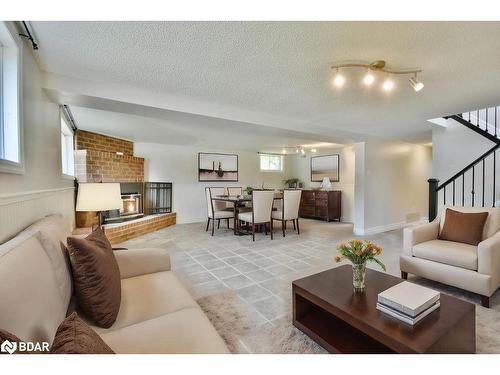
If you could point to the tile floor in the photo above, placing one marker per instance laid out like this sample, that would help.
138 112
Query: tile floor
259 272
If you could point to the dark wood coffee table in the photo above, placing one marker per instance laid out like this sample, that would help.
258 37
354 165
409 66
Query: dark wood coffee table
326 308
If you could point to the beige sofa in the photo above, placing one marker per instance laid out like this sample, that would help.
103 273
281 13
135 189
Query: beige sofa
473 268
157 315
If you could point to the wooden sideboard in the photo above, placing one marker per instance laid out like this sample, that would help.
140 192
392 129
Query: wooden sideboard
321 204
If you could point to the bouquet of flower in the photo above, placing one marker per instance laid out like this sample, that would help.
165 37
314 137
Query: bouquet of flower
359 252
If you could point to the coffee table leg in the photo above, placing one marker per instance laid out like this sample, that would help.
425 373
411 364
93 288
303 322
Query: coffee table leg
235 213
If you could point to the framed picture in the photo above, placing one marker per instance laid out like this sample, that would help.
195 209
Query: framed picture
217 167
325 166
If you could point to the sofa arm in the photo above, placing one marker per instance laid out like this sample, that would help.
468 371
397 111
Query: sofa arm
135 262
488 256
421 233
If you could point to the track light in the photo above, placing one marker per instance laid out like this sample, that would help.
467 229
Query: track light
388 85
416 83
372 69
283 151
368 79
302 151
339 79
313 150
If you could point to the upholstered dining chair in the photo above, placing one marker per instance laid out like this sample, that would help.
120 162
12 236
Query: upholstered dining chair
234 190
216 210
262 207
289 210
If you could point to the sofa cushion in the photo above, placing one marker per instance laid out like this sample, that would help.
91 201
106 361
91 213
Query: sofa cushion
464 227
183 331
96 277
452 253
491 226
31 306
75 337
54 229
150 296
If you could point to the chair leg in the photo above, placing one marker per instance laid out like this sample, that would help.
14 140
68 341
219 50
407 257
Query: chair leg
208 223
485 301
404 275
265 229
227 222
298 229
294 227
213 226
253 232
218 223
283 226
271 229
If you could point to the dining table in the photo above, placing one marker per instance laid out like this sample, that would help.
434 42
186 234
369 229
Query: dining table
238 202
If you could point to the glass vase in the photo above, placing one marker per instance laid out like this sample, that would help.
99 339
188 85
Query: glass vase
358 277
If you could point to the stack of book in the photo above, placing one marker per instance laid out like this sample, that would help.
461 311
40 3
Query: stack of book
408 302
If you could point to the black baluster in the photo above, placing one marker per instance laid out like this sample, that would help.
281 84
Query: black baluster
494 176
473 178
486 121
463 189
478 124
453 192
483 182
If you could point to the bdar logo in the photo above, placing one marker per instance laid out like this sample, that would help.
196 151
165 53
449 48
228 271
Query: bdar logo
8 347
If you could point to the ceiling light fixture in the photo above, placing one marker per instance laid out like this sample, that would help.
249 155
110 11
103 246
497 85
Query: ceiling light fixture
368 79
416 83
338 80
302 151
283 151
377 66
388 85
313 150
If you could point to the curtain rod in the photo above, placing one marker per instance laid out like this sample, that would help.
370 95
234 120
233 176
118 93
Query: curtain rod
28 36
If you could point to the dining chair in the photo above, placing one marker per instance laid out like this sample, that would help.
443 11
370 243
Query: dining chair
216 210
289 209
262 207
234 190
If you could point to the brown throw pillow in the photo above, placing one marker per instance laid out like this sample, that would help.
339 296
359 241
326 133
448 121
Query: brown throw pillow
8 349
463 227
96 277
75 337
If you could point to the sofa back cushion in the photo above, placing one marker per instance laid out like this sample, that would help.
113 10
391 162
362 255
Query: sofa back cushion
491 226
31 306
54 229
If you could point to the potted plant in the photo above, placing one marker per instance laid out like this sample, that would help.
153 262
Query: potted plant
291 182
359 252
249 190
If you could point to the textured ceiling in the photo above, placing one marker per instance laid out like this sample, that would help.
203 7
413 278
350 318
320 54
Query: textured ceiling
282 68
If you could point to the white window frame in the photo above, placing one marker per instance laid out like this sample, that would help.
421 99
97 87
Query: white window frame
261 155
10 100
67 149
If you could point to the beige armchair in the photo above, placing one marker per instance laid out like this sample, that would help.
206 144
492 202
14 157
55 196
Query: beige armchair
473 268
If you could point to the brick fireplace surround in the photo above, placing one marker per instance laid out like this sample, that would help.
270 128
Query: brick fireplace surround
101 158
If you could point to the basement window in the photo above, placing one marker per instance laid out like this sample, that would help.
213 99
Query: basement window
271 163
10 124
67 149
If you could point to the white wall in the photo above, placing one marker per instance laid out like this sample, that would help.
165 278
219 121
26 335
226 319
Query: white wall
454 147
391 185
42 160
179 164
300 167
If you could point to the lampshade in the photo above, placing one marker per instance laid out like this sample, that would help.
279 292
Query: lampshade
98 197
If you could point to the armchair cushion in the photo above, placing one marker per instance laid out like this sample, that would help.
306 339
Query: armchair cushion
136 262
464 227
452 253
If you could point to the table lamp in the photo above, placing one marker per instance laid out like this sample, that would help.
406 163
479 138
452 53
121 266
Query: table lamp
99 197
326 184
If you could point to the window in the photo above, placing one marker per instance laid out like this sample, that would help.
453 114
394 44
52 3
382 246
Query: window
10 125
271 163
67 149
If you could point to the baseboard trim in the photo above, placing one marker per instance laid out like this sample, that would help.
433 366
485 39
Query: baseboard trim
387 228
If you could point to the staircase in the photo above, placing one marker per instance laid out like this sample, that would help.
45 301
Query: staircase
476 184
